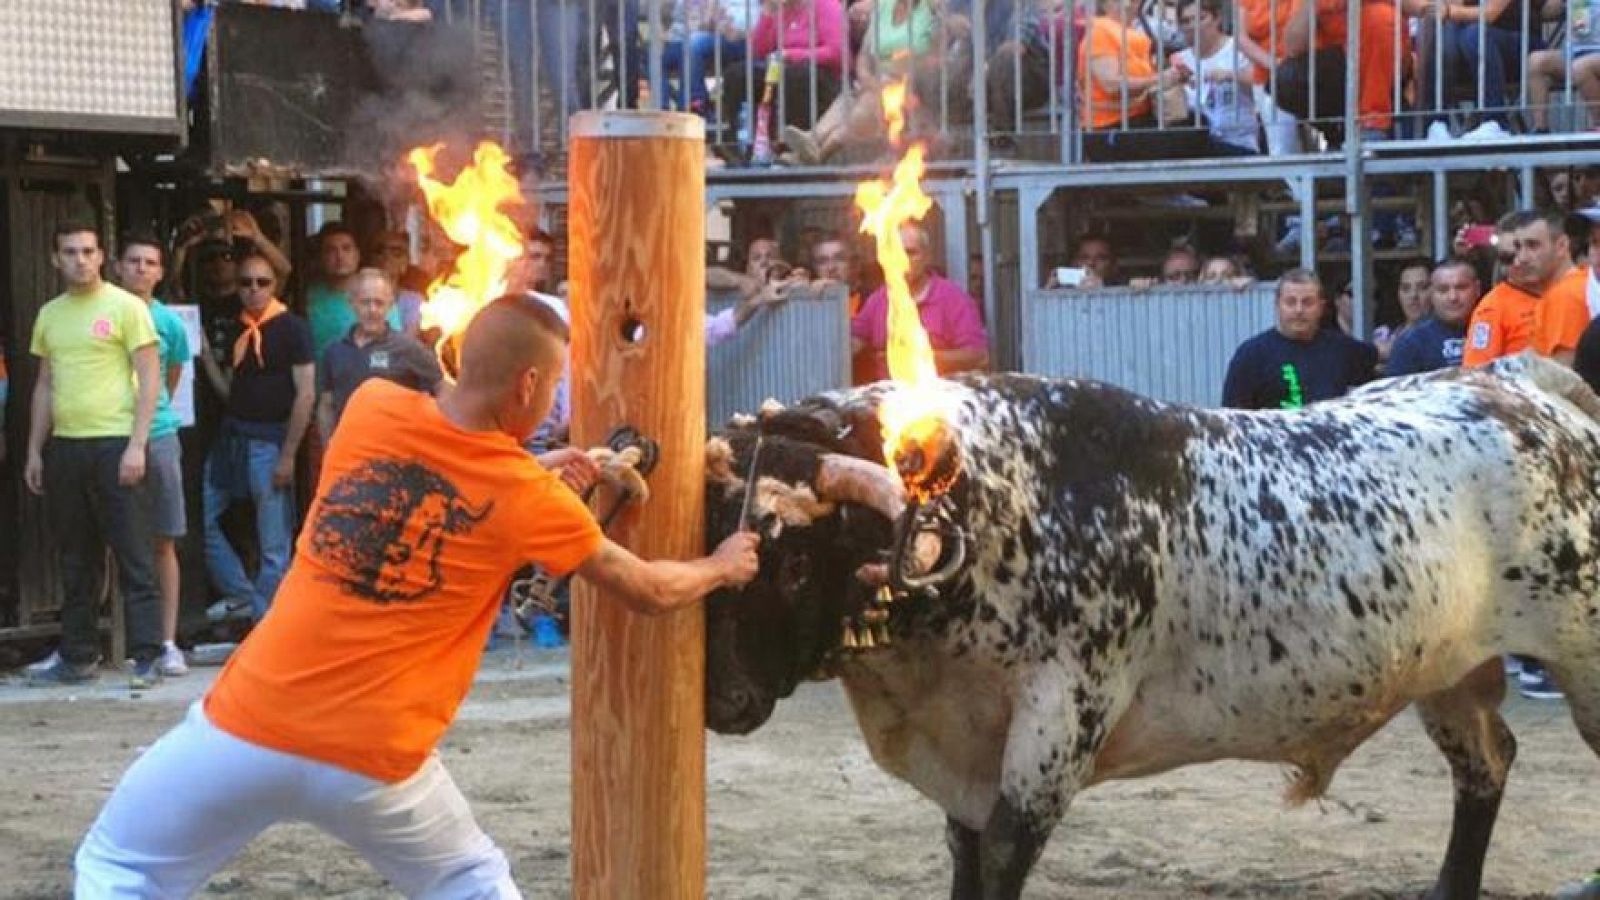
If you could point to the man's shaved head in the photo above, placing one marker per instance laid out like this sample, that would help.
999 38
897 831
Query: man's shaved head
513 356
509 336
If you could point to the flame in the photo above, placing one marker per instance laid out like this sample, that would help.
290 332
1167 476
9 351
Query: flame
472 212
911 414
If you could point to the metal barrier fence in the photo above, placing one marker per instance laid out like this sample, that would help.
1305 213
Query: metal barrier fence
1168 343
786 352
1113 80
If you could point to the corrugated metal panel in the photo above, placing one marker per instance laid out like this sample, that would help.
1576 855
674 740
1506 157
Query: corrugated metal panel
786 352
1171 344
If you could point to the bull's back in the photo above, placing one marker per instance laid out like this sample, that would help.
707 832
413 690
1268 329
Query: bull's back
1340 562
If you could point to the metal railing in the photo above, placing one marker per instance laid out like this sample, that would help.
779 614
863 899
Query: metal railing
1097 81
787 352
1168 343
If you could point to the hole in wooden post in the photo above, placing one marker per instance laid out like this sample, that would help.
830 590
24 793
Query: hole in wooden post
632 330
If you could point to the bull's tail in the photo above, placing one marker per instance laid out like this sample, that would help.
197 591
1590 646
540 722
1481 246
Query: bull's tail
1550 377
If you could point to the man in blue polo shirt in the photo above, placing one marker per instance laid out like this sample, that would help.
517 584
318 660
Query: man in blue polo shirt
1300 361
371 349
1438 341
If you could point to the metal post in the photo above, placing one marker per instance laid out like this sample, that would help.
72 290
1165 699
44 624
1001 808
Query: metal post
1441 214
1308 222
1356 193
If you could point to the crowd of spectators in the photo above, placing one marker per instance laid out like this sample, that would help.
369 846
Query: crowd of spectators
1152 79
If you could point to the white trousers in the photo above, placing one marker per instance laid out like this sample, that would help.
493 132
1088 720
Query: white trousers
197 796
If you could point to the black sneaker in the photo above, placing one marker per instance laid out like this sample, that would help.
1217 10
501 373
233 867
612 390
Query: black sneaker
63 672
146 675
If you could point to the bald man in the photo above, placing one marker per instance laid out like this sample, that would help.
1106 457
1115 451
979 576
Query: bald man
330 711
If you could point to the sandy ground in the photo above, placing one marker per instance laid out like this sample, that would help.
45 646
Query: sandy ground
797 810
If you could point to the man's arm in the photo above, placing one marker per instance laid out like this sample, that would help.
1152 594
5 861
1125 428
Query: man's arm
1298 32
949 361
661 586
325 415
299 417
147 366
220 381
719 278
39 425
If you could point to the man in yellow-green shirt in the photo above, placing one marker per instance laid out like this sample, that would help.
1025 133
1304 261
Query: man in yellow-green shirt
99 379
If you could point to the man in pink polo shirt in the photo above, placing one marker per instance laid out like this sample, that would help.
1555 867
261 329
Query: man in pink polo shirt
954 324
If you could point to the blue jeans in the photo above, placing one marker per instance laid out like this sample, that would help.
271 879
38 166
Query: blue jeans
624 47
240 468
562 25
702 57
1502 55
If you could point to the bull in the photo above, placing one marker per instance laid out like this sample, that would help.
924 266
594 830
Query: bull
1145 586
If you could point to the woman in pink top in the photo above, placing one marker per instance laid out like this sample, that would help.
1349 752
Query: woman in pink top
804 34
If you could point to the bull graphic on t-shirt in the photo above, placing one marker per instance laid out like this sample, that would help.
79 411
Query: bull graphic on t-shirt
381 526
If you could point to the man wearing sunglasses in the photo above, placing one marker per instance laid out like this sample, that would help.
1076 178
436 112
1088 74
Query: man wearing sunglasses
269 395
1535 259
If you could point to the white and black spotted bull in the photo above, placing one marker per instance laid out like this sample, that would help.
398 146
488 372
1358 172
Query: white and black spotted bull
1149 586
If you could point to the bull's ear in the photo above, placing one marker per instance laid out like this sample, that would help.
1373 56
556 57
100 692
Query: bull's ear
860 433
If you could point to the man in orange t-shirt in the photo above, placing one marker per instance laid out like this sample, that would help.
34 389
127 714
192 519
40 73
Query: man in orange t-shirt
1536 253
329 712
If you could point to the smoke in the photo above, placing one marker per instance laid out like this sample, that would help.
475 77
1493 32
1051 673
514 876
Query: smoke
426 89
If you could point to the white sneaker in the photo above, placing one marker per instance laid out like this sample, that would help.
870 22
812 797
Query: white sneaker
1439 133
228 608
1488 131
44 665
171 662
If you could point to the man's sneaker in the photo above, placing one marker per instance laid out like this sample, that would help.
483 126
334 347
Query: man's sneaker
146 675
1488 131
1513 665
1587 889
63 672
43 664
228 608
171 663
1535 684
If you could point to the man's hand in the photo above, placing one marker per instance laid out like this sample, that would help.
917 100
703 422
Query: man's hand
33 474
242 224
131 470
573 466
739 558
283 473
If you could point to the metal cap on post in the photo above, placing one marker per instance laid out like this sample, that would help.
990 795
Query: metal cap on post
637 267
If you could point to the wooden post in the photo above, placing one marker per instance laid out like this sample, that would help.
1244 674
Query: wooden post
636 261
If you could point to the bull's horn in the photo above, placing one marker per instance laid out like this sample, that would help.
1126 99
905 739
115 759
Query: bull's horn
849 479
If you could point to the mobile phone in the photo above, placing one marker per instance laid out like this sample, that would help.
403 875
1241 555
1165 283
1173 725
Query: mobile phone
1478 236
1070 276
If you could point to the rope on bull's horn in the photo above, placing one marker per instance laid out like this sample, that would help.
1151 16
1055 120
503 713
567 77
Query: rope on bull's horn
620 470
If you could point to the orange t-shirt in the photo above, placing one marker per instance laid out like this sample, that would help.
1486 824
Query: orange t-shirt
1259 18
1563 314
1501 325
378 627
1106 36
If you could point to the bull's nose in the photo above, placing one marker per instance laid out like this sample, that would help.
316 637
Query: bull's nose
734 711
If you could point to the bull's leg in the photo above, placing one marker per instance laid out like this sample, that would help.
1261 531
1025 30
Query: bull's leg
1056 729
963 841
1465 723
1009 846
